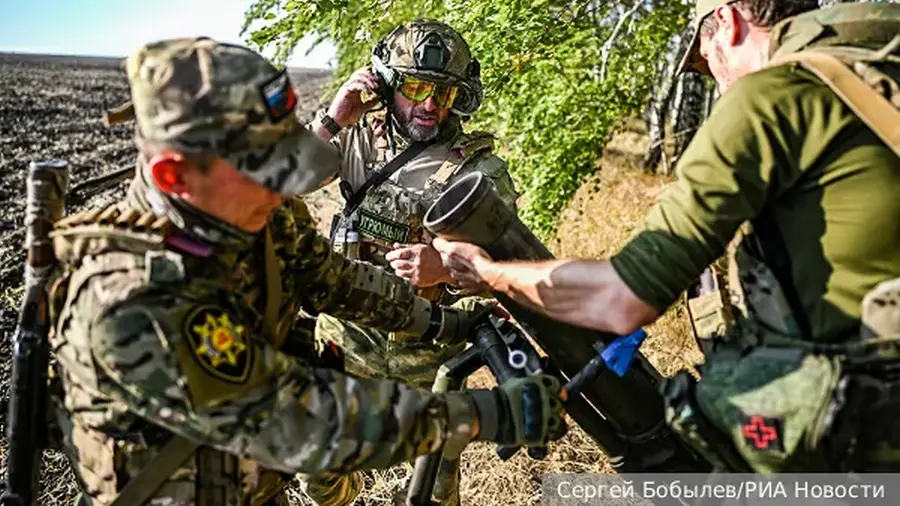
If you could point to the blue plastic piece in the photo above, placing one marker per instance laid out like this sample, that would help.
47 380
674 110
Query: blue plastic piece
619 354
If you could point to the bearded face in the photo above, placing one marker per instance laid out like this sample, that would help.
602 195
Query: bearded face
421 121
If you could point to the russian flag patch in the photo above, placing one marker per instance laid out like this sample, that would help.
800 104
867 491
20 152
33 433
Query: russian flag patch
279 97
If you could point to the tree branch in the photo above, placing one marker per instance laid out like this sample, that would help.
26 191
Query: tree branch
610 42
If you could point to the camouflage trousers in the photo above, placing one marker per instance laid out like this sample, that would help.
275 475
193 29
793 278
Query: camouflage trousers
370 353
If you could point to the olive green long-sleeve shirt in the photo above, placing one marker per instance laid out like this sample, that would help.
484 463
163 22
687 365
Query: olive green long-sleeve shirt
781 143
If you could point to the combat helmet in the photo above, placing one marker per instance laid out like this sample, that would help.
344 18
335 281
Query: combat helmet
433 51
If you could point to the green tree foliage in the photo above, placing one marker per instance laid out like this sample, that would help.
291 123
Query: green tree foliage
557 74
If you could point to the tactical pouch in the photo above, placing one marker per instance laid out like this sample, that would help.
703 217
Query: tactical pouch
686 419
710 315
344 237
777 405
874 400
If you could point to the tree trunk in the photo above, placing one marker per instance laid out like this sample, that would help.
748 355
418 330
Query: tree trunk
688 110
660 101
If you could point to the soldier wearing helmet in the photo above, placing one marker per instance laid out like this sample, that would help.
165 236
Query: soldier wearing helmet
182 377
428 82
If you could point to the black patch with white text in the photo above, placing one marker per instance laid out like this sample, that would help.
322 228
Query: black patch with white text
382 228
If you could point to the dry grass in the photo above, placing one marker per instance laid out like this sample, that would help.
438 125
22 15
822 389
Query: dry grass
596 223
604 214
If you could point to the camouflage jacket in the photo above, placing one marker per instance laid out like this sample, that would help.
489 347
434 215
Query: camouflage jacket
157 333
393 212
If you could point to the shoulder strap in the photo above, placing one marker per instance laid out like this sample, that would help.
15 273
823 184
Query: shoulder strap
273 292
466 149
142 487
872 108
356 198
89 232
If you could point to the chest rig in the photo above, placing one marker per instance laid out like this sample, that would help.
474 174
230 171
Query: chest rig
392 211
105 442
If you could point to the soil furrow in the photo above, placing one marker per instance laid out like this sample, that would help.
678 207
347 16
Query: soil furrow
51 107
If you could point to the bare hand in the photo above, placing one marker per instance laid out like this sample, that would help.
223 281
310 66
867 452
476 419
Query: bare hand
418 263
463 259
348 106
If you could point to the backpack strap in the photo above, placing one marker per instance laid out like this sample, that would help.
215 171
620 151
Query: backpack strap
871 107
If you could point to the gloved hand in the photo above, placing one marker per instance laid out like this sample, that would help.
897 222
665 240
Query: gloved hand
523 411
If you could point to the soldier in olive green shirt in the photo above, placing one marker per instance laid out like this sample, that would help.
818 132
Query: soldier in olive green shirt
781 151
835 207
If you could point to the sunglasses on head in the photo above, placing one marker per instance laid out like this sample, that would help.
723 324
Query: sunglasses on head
418 90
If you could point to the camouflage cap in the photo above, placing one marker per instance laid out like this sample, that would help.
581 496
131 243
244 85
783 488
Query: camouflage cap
692 59
201 96
433 51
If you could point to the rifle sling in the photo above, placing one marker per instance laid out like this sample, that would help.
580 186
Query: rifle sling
411 151
142 487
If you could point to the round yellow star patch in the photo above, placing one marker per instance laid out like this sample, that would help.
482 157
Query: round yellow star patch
219 345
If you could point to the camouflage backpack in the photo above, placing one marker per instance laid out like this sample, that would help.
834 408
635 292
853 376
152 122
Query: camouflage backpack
773 402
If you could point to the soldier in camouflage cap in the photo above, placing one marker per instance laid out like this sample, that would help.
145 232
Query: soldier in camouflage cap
424 75
794 178
236 105
182 377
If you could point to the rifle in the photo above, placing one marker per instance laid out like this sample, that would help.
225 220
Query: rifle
26 430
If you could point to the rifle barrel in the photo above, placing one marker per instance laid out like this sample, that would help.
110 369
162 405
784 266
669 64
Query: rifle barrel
45 198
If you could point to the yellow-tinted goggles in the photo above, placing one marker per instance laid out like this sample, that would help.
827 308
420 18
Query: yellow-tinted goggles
418 90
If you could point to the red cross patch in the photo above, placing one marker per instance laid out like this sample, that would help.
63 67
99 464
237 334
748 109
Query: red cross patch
762 433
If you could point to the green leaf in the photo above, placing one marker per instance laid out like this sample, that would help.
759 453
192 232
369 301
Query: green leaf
540 62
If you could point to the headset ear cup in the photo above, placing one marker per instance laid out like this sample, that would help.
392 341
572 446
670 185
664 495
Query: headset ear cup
468 100
473 70
470 93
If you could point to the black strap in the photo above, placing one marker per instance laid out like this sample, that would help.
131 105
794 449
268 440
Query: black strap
775 254
355 199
